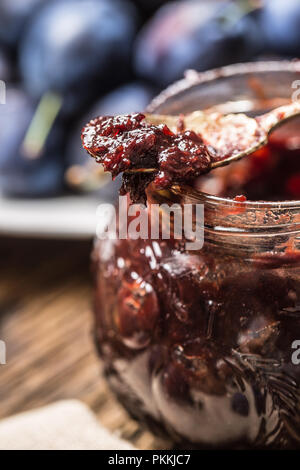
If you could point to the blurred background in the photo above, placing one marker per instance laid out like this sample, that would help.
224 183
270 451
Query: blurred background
64 62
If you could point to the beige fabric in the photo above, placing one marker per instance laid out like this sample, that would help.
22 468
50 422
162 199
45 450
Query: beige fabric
64 425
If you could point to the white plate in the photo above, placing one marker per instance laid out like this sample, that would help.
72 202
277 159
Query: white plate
60 217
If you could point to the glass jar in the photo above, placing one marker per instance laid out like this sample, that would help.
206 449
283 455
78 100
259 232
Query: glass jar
203 345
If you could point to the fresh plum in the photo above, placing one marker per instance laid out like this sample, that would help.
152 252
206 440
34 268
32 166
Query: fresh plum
20 174
195 34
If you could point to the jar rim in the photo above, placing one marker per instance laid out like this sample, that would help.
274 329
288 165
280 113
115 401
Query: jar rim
250 226
193 78
219 202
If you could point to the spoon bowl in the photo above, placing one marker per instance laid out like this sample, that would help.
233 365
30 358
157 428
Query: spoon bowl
232 136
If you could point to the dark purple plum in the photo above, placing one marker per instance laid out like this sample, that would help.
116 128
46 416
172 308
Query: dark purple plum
42 178
280 21
195 34
129 98
21 175
14 16
77 47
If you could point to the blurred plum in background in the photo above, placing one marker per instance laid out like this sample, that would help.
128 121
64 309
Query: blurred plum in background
196 34
78 47
14 16
20 175
128 98
65 61
281 25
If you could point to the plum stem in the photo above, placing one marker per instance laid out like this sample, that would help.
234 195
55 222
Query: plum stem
235 11
41 124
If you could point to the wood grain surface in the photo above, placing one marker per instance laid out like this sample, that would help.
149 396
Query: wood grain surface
46 322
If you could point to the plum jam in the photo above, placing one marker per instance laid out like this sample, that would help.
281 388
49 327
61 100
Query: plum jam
123 143
204 346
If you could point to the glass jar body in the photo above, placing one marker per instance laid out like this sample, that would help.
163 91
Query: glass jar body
202 346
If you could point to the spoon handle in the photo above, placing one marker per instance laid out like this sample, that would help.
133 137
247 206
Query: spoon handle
278 116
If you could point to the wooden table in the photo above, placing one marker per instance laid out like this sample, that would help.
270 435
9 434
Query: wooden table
46 322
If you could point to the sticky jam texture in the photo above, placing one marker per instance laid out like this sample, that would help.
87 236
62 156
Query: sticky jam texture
125 143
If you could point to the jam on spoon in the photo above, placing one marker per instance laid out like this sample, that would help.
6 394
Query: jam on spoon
176 149
130 145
